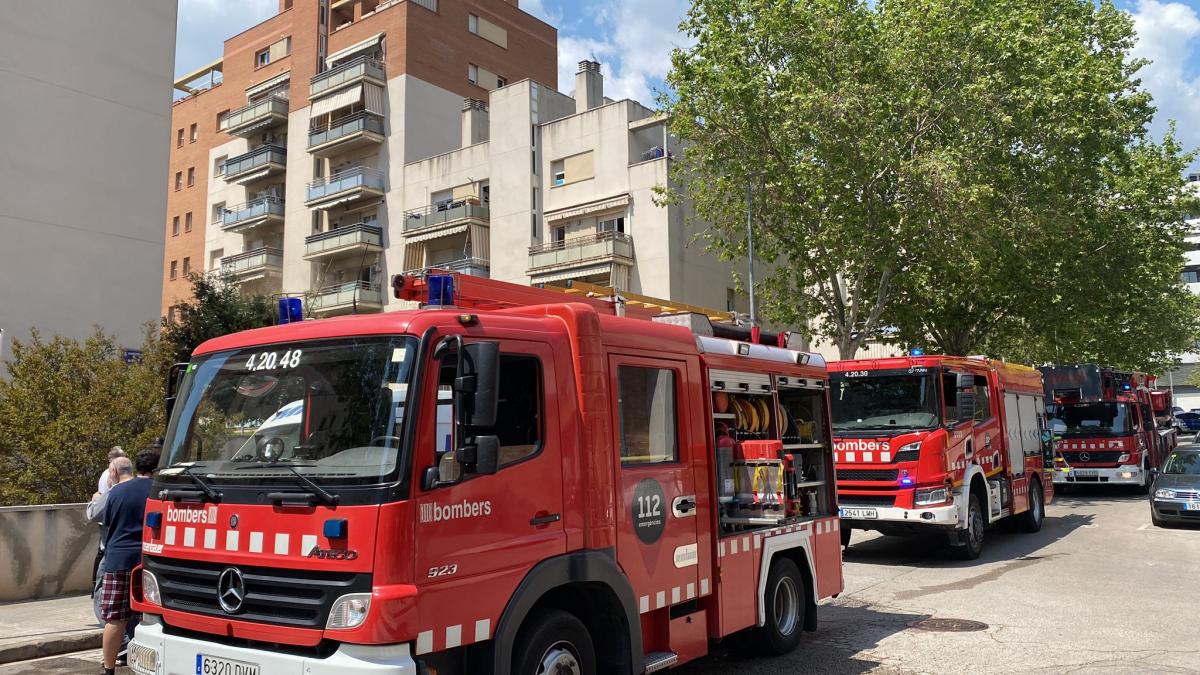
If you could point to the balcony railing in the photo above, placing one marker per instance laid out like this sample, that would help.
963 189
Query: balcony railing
361 67
353 236
359 177
583 249
267 258
478 267
446 212
356 123
259 111
348 295
261 156
252 210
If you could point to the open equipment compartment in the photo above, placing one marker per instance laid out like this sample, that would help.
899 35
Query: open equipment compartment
804 416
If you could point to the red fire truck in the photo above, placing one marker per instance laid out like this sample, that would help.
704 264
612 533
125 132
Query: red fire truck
939 442
1107 426
511 480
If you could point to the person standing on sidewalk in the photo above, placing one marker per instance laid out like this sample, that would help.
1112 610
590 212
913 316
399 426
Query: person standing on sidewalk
124 512
95 508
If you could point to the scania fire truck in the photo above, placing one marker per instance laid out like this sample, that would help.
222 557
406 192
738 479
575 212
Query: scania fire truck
508 479
939 442
1106 425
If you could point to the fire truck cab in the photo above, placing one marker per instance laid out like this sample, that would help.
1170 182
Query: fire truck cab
939 442
1106 427
510 480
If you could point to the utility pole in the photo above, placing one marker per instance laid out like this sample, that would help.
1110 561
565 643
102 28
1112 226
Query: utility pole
750 242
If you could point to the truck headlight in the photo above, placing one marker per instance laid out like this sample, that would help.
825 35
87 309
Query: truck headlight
1164 493
349 611
150 588
930 496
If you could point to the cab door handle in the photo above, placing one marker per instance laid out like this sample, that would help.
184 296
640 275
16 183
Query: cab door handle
683 507
545 519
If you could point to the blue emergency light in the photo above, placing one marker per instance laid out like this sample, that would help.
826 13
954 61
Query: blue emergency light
916 351
154 520
291 310
441 290
906 480
335 528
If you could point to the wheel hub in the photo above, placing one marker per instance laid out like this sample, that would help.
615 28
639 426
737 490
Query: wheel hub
559 660
787 602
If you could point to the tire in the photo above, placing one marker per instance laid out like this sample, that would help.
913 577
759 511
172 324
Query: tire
1143 488
785 603
1155 519
1031 521
846 533
972 536
553 641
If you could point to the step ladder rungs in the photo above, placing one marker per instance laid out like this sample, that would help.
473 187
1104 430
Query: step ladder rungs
656 661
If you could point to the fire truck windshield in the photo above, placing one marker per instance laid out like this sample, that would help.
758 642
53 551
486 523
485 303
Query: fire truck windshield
1091 420
883 400
332 409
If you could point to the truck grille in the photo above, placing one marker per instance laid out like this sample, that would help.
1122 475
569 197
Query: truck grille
285 597
867 474
1094 457
866 500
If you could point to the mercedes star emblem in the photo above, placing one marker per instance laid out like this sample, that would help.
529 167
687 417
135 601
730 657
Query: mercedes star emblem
231 590
1085 457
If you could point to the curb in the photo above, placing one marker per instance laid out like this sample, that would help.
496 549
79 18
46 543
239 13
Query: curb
62 644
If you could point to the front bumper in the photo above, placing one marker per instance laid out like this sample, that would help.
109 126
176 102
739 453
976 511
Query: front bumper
175 655
933 516
1174 510
1122 475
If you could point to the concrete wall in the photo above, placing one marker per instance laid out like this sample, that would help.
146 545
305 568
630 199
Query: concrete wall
45 551
84 131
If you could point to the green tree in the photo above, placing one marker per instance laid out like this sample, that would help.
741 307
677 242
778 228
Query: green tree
65 404
937 166
218 307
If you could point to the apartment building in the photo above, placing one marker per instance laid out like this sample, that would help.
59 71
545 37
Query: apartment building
353 141
83 122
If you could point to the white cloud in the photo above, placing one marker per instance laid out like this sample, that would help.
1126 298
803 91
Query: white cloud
1167 35
538 9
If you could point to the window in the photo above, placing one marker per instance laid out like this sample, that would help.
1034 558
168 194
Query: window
473 24
179 138
950 396
174 270
518 413
571 169
221 118
487 30
472 73
172 313
191 176
501 81
187 222
214 258
175 226
647 408
560 234
262 58
612 225
187 266
558 173
218 212
178 180
219 165
1191 276
195 133
983 400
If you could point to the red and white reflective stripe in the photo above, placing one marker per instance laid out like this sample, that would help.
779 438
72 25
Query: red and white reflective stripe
453 636
853 456
208 538
674 596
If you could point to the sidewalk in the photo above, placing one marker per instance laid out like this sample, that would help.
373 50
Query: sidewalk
39 628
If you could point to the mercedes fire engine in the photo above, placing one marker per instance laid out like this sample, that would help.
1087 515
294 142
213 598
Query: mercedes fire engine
1105 423
939 442
507 480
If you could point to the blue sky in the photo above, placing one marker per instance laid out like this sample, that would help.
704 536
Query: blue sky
633 38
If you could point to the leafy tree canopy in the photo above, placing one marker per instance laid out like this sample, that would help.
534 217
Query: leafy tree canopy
218 307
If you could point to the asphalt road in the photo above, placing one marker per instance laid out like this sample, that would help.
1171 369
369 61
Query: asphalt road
1098 590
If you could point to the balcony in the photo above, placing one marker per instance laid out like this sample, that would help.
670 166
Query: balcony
344 298
259 263
580 256
476 267
254 118
428 222
360 69
253 214
359 238
346 186
345 134
262 162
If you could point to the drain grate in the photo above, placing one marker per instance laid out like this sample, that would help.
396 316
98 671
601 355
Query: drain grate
948 625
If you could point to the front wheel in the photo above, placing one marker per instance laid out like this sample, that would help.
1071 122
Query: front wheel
1031 520
785 602
554 642
971 538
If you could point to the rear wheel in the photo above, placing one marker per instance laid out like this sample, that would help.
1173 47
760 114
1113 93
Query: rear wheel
554 642
785 601
971 538
1031 520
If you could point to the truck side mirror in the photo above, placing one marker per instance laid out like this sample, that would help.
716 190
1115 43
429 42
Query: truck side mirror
174 379
480 454
476 383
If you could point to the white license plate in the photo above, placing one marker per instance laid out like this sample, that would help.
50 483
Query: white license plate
215 665
860 514
1191 506
1085 473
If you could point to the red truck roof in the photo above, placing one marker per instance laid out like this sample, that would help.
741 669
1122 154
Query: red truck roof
1009 375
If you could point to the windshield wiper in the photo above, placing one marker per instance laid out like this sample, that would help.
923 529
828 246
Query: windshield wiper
205 488
319 492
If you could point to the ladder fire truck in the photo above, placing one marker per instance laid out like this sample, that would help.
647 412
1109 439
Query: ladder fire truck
509 480
930 443
1106 424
